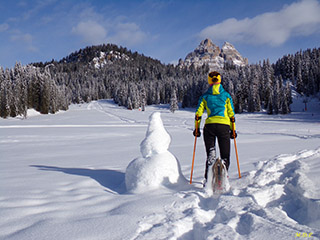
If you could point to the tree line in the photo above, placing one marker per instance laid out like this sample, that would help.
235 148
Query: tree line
136 81
24 87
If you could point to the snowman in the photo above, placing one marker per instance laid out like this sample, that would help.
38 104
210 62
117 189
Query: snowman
157 166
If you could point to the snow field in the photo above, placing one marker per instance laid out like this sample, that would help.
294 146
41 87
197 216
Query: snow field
63 177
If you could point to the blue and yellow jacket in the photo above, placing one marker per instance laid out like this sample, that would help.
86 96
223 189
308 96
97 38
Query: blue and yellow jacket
218 104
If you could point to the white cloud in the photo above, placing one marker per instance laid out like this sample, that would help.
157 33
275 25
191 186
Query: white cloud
91 32
4 27
274 28
27 38
34 8
24 39
128 34
94 28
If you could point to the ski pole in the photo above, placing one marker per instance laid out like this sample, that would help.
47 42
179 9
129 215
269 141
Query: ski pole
194 153
235 146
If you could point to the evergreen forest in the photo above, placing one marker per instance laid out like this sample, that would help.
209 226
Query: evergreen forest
135 81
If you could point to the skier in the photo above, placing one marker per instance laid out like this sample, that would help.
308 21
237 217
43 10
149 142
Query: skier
220 116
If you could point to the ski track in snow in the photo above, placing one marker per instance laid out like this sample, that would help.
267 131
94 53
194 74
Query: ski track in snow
299 136
247 211
96 105
113 112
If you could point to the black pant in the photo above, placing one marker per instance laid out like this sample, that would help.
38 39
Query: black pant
210 133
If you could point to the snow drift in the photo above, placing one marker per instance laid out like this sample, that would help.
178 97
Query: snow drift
157 166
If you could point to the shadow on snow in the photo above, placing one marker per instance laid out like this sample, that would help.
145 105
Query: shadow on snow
111 179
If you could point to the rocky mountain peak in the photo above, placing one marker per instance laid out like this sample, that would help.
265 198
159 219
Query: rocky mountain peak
230 54
207 47
209 53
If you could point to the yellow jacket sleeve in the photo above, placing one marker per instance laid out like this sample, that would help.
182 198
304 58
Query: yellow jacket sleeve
200 110
230 113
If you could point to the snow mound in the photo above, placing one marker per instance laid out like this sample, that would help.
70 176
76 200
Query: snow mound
32 113
272 199
157 166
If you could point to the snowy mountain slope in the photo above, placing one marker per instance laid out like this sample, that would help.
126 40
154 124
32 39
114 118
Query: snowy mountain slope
62 176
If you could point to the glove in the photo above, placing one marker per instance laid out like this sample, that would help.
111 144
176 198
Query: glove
198 133
232 119
235 134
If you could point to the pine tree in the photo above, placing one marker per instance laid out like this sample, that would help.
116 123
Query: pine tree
4 101
267 79
299 81
270 104
173 101
143 99
286 98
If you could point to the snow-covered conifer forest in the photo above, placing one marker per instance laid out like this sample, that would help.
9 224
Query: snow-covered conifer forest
133 80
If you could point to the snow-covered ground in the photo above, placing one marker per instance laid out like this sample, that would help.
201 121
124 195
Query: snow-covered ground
63 176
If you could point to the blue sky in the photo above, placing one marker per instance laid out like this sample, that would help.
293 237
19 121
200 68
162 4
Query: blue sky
41 30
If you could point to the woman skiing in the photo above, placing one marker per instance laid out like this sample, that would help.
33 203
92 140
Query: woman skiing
220 116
